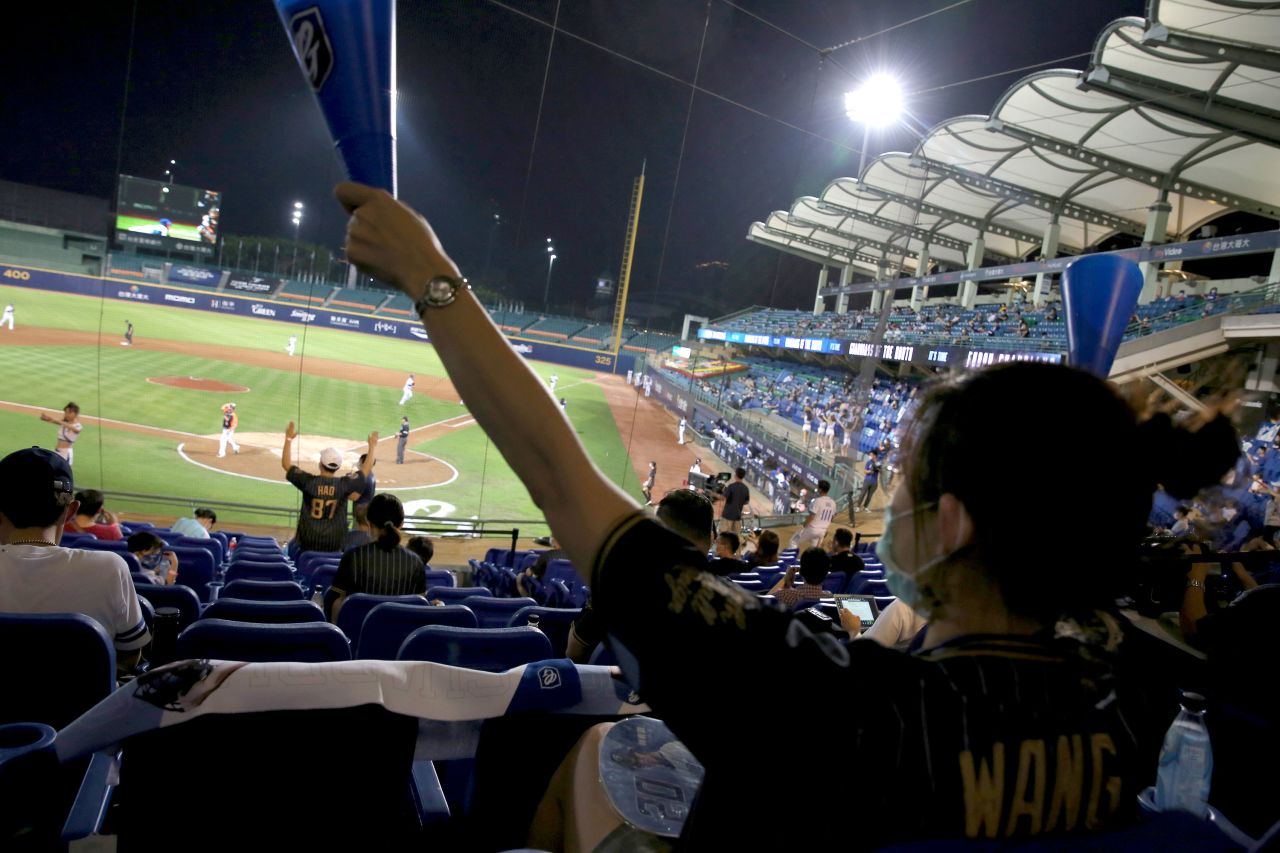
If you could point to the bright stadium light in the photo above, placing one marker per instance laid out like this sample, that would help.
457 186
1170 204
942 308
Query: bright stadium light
878 102
551 262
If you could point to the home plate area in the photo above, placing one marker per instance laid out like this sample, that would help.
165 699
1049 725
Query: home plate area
259 458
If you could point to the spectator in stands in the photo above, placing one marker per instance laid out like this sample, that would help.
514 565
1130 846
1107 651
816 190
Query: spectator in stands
962 545
538 570
93 517
157 562
814 566
322 521
726 560
39 576
690 515
1181 521
1269 430
361 533
765 553
898 627
736 496
842 557
370 482
423 547
382 567
198 526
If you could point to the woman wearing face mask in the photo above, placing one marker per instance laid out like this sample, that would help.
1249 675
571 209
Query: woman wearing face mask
994 728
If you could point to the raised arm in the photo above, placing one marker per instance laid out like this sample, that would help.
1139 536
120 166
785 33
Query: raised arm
286 453
368 457
391 242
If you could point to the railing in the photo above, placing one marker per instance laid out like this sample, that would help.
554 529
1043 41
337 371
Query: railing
1247 302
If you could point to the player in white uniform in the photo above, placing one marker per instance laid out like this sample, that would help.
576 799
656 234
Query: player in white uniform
680 430
6 319
229 423
408 390
628 377
807 429
293 342
821 510
552 381
648 384
69 428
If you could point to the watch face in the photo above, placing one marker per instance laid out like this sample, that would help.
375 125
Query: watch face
440 289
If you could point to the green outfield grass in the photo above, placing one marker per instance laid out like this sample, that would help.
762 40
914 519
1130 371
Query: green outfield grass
177 230
110 381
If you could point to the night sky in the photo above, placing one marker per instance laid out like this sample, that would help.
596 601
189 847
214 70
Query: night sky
215 86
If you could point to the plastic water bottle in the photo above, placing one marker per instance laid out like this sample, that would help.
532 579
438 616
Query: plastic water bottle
1186 761
232 545
533 621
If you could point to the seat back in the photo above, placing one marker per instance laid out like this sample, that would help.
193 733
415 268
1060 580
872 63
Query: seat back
78 671
269 612
439 577
181 597
322 577
552 621
248 590
486 649
308 560
195 569
496 612
213 546
356 607
388 624
223 639
456 594
253 571
869 584
564 570
835 582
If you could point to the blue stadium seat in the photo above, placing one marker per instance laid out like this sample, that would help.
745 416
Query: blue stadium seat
321 578
266 612
485 649
222 639
213 546
309 558
77 666
753 585
142 579
247 555
195 569
496 612
182 598
387 625
245 570
835 582
439 577
553 621
356 607
455 594
249 590
883 602
869 584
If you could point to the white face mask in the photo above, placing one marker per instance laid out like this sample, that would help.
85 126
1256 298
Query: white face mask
903 583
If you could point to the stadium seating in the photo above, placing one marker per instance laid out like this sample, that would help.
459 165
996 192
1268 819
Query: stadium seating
362 301
182 598
251 590
485 649
552 621
496 612
390 623
79 670
222 639
321 578
356 607
254 571
439 577
266 612
455 594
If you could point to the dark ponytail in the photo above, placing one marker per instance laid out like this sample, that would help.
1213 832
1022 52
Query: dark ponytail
386 515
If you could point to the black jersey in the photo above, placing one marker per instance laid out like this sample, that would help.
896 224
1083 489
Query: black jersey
322 521
983 737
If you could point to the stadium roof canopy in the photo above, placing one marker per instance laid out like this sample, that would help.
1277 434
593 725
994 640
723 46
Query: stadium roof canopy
1181 107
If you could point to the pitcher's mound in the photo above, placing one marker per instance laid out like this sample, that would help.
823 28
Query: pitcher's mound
195 383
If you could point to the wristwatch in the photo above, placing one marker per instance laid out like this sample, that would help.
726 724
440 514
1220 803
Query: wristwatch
441 291
1195 584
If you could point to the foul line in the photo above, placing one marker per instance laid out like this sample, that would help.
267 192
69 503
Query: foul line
183 453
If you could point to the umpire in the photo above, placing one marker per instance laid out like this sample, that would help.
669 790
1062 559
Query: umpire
402 439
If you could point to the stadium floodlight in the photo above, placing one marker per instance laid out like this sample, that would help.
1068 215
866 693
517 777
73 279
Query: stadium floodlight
551 262
878 102
297 205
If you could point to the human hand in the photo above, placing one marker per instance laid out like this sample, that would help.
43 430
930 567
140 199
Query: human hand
390 241
851 622
291 432
373 440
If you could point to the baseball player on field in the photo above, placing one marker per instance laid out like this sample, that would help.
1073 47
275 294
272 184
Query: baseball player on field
553 381
6 319
229 423
408 390
293 342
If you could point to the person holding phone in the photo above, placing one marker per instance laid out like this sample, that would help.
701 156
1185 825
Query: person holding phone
991 698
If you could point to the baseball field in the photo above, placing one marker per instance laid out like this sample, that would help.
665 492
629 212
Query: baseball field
152 410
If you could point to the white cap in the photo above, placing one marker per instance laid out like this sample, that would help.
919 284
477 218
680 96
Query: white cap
330 459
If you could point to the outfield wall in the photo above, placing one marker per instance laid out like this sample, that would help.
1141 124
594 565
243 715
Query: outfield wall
226 302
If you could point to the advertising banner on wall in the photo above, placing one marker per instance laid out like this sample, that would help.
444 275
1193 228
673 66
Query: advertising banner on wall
263 285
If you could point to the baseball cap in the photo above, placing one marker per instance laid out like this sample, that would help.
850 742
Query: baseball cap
35 468
330 459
